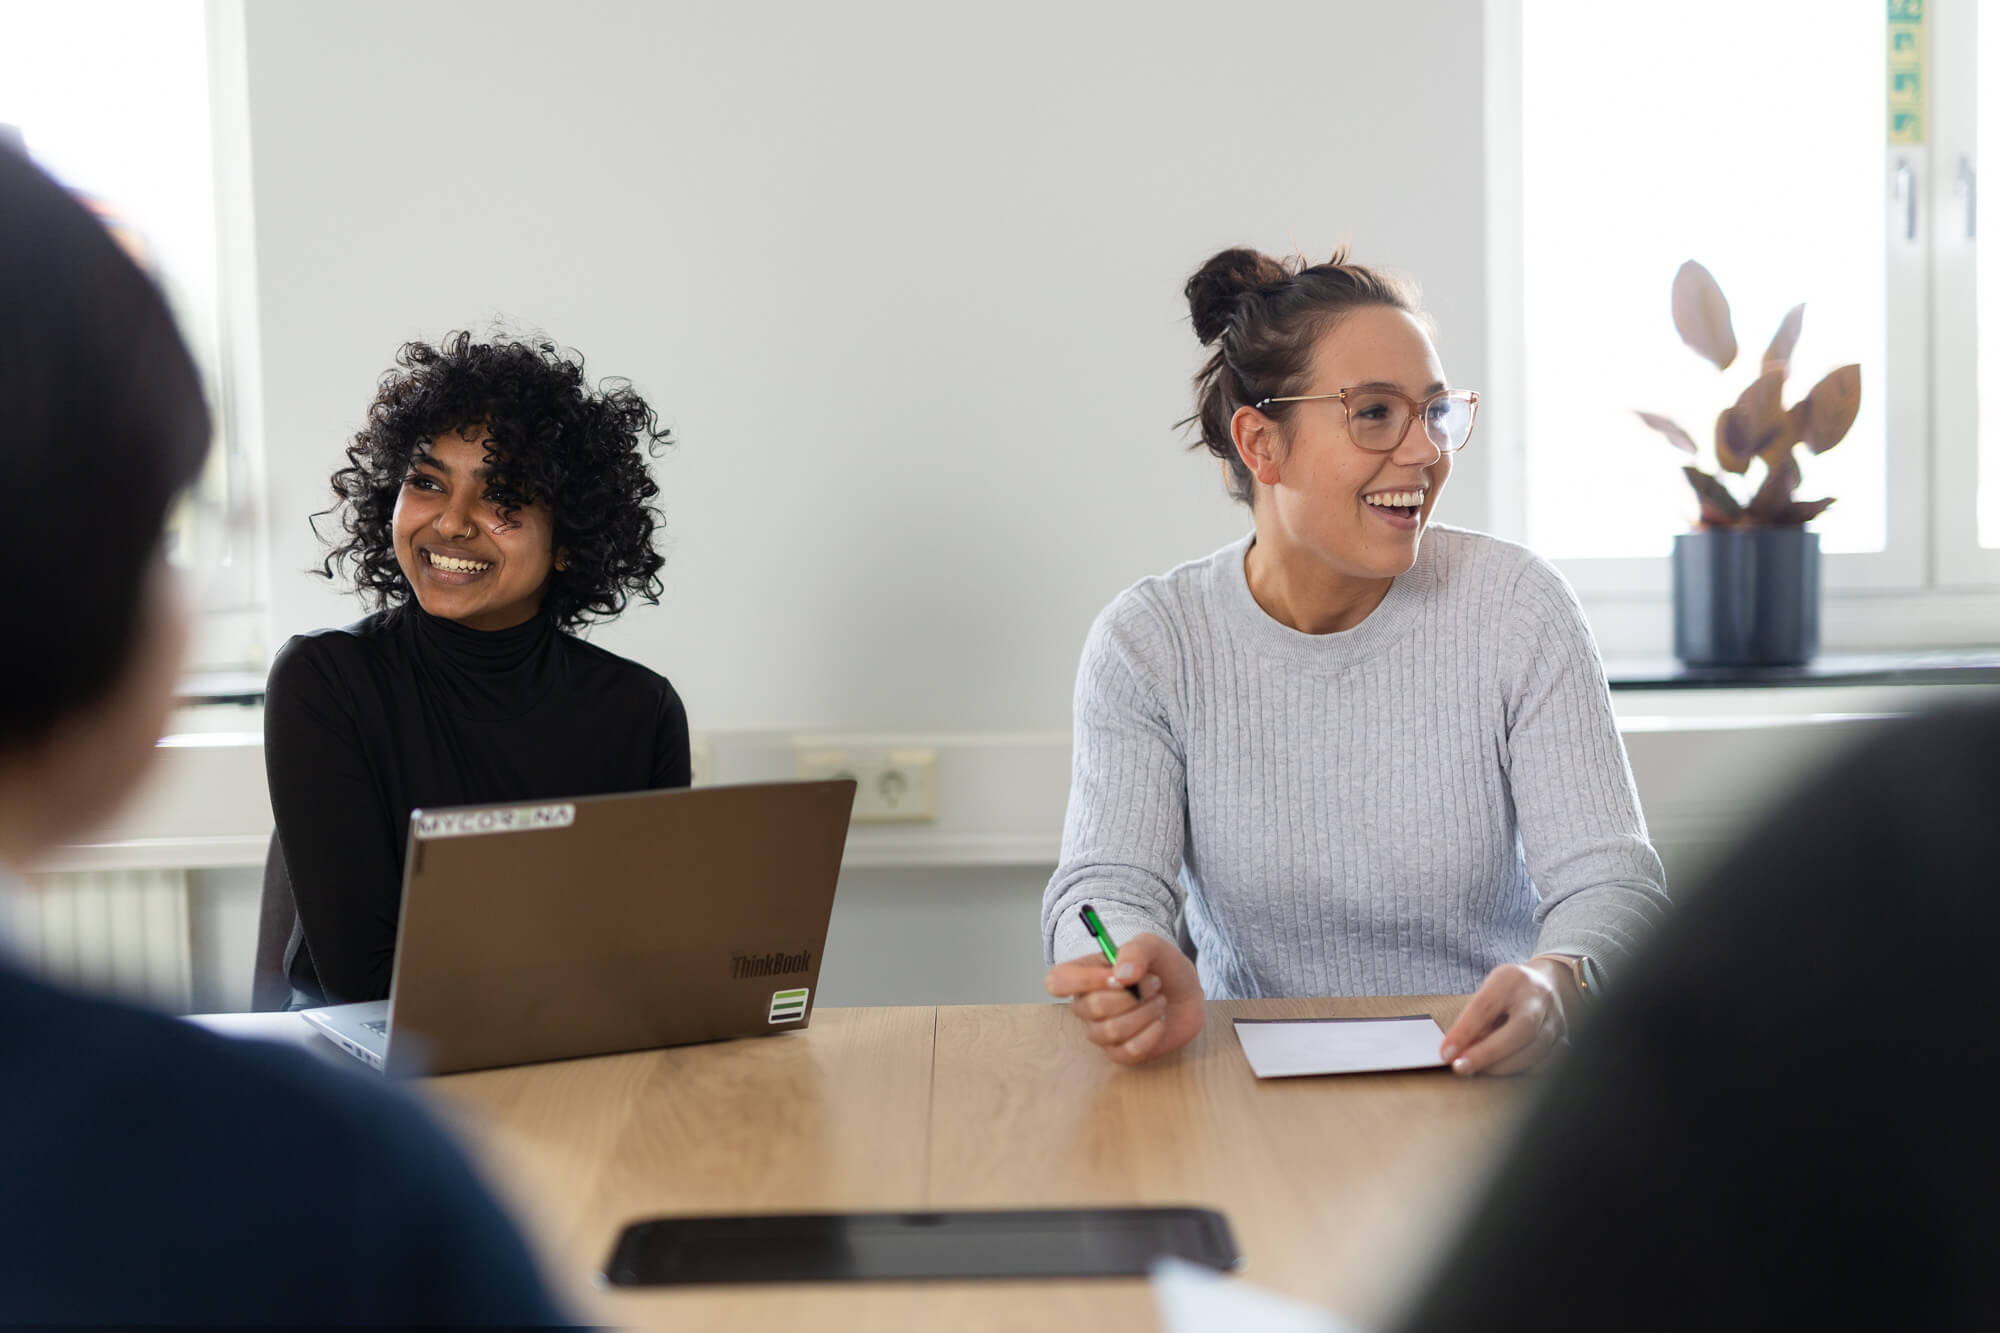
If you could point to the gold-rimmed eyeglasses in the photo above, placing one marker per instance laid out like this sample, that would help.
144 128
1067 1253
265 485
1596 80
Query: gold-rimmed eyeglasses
1378 419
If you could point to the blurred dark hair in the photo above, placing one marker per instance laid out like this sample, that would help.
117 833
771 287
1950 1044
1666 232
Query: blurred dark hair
582 453
1263 316
102 425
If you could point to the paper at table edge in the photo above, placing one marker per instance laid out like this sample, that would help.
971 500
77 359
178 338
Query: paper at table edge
1278 1064
1193 1299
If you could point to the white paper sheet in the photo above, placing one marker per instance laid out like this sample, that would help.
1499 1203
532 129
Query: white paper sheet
1290 1048
1192 1299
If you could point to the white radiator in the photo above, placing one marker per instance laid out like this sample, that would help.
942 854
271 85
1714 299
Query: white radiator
120 931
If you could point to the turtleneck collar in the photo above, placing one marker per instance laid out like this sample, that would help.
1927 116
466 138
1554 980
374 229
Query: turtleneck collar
488 674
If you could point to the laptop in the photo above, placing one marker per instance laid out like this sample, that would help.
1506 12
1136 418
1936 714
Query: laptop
556 929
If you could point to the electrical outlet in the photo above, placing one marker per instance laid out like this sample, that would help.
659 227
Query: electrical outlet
891 786
701 762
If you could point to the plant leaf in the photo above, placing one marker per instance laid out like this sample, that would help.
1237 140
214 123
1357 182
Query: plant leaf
1754 423
1725 450
1801 419
1773 500
1701 315
1802 512
1779 353
1718 507
1677 437
1831 408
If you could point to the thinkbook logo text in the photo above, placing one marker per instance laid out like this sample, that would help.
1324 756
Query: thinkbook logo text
768 964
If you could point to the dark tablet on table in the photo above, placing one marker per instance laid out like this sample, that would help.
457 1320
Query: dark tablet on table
846 1247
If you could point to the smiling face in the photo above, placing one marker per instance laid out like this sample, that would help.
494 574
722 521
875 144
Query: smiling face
1322 501
468 558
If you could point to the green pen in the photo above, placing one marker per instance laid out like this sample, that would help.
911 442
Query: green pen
1103 938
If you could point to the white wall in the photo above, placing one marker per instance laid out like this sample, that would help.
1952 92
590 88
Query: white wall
946 913
903 276
964 935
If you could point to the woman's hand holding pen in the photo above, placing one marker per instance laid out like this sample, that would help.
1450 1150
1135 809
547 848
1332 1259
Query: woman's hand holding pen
1131 1031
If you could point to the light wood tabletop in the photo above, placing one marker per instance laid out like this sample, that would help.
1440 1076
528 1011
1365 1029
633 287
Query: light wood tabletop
1335 1187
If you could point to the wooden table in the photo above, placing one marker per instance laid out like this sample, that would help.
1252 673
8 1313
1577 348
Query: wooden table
1335 1187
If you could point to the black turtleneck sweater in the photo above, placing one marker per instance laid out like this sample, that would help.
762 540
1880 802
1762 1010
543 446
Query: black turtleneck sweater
403 710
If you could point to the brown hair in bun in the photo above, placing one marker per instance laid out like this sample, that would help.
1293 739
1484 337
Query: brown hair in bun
1263 316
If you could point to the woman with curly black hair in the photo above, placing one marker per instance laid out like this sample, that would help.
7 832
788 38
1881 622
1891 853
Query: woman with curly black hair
492 505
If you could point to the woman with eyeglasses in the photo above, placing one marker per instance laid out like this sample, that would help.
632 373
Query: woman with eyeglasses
494 504
1353 752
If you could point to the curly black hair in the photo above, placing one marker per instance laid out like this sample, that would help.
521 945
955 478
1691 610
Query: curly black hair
583 453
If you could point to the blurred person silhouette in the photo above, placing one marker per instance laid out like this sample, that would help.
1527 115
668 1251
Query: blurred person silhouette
1781 1118
150 1167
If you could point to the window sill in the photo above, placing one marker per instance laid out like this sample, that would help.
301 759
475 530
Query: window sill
200 689
1979 666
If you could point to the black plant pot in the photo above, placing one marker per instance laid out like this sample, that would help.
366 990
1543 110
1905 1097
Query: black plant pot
1746 597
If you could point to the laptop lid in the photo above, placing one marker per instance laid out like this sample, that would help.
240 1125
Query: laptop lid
554 929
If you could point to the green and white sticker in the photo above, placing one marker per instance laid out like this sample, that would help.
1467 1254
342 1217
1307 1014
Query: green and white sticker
788 1006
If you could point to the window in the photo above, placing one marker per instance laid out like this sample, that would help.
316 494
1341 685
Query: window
1965 180
1815 151
1745 147
113 97
1966 58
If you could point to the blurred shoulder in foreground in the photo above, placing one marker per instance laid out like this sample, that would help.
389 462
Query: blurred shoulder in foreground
1782 1116
152 1171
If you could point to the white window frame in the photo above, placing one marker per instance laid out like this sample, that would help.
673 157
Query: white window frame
1932 585
1961 562
234 635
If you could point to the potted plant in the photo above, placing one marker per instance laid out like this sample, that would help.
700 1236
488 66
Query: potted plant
1746 579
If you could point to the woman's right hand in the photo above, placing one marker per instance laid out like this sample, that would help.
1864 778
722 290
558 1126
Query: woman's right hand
1131 1031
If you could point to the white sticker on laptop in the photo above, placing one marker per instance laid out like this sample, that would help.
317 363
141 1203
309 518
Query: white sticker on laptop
788 1006
503 819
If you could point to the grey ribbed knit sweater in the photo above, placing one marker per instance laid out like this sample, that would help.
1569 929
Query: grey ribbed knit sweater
1392 809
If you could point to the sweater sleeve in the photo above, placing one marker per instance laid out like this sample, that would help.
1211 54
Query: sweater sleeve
1601 885
338 847
1126 828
